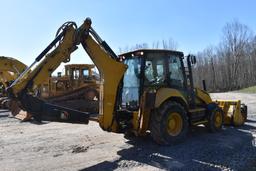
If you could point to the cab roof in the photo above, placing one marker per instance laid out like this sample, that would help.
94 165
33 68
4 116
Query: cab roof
152 51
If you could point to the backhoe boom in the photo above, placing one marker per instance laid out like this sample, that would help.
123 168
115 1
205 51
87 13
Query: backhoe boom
102 56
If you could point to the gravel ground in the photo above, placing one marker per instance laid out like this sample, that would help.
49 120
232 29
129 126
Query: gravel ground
60 146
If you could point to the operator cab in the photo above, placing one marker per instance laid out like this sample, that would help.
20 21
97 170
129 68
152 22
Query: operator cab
82 72
150 69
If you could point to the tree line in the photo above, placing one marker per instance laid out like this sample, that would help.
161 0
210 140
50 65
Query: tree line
230 65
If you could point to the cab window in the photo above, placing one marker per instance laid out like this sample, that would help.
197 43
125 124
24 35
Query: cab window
75 74
154 71
85 73
175 72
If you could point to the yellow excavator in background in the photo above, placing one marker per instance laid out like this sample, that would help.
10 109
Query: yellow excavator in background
147 90
5 77
10 69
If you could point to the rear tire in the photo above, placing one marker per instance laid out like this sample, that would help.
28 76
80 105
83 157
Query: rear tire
169 124
215 120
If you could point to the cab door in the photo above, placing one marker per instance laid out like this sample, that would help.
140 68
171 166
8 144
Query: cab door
131 84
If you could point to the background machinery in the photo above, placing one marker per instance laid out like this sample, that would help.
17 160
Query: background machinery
140 91
76 76
78 88
10 69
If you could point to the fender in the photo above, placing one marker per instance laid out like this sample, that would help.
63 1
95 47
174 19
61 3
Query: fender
163 94
204 96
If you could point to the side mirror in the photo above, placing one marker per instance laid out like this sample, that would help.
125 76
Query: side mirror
192 59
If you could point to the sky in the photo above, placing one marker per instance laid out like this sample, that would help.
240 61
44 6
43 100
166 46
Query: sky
28 26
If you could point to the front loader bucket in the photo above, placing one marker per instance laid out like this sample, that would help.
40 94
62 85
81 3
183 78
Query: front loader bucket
235 113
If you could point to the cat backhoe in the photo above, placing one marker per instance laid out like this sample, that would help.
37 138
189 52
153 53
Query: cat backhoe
143 91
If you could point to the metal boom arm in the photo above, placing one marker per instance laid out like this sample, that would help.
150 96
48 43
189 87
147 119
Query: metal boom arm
104 58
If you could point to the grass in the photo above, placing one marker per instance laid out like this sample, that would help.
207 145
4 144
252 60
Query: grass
248 90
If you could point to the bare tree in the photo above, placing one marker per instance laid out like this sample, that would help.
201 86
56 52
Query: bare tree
170 44
236 39
231 64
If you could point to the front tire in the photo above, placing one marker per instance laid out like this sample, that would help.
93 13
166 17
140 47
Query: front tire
215 120
169 124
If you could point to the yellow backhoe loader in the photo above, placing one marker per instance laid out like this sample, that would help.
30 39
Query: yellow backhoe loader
147 90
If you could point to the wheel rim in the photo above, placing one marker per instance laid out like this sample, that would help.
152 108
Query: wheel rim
218 119
175 124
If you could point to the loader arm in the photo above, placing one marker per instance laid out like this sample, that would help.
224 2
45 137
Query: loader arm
111 71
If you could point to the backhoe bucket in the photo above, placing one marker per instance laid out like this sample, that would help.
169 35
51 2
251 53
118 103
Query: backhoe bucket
40 110
17 112
235 113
